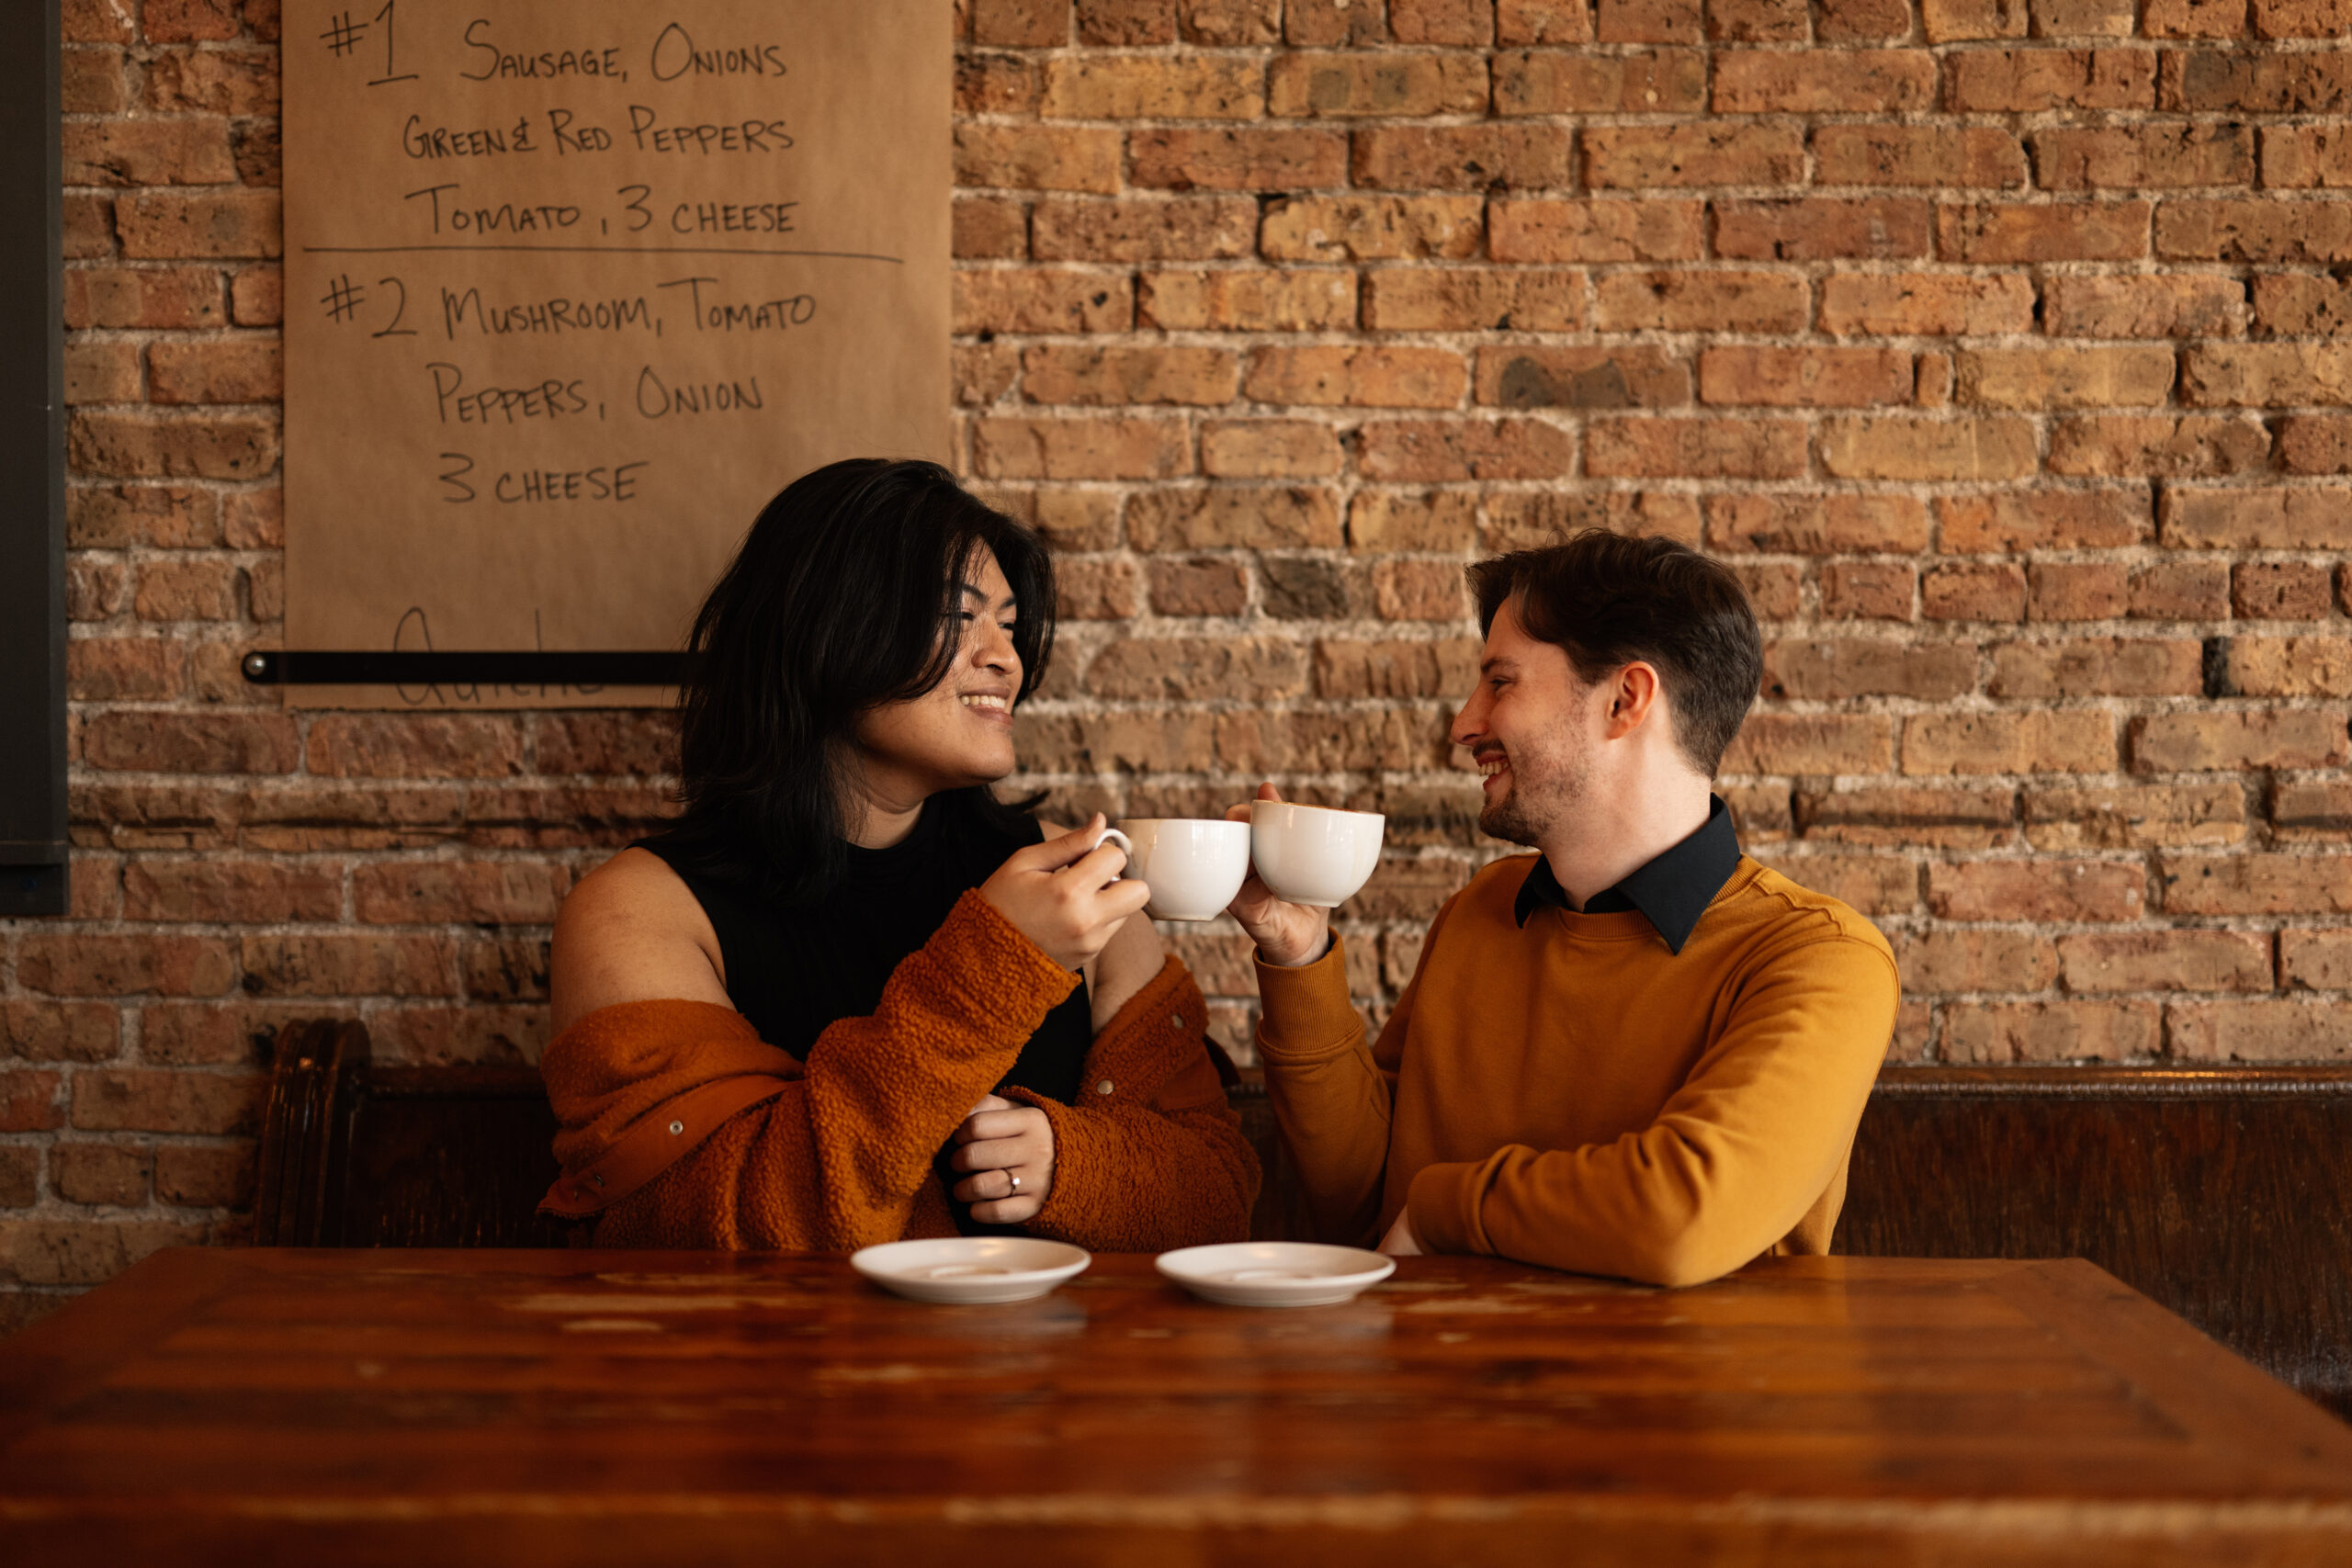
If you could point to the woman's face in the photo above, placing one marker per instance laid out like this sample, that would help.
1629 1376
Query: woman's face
960 732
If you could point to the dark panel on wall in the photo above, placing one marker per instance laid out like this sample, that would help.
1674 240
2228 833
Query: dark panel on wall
32 467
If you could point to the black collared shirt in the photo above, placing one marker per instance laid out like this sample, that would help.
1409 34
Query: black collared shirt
1672 891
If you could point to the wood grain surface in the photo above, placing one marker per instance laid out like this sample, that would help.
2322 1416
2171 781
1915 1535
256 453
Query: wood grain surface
351 1406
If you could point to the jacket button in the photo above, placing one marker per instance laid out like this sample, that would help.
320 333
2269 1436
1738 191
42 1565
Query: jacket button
1176 1020
677 1128
1103 1087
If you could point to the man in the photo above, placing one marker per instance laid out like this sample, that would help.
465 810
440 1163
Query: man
1636 1053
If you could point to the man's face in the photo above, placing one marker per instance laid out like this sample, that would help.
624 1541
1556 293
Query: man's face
1526 726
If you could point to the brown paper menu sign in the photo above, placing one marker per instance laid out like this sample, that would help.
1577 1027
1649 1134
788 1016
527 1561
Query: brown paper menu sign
572 287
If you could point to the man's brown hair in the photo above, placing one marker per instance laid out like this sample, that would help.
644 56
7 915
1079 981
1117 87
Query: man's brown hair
1608 601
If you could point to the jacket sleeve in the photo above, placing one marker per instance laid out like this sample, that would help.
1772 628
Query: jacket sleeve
1151 1157
842 1158
1734 1161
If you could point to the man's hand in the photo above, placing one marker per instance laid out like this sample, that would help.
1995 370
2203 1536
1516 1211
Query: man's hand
1288 935
1065 896
1009 1149
1400 1241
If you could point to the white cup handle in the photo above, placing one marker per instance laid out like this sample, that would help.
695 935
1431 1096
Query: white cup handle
1126 847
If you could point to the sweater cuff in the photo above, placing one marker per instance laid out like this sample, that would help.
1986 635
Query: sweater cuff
988 976
1306 1015
1443 1203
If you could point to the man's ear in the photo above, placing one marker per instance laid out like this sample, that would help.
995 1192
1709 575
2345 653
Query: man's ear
1634 695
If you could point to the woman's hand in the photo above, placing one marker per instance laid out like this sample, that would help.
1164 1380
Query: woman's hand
1009 1149
1065 895
1287 934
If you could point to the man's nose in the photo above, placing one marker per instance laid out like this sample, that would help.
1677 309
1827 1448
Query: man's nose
1468 723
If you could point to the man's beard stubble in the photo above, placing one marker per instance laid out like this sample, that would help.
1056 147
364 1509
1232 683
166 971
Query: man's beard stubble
1535 804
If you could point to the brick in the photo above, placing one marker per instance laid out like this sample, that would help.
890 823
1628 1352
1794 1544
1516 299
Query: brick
1095 591
92 965
137 152
989 228
190 743
29 1101
195 1177
452 893
2037 890
89 226
1230 23
106 517
198 590
1425 299
1985 234
513 969
1080 448
1869 591
2135 816
2316 961
2164 961
2255 229
2273 1030
1696 449
96 589
223 82
98 21
1937 961
1231 517
996 83
102 372
1775 589
2194 518
2029 379
1529 376
2206 743
2063 741
1258 744
2278 590
173 224
1275 159
2051 1032
1871 885
1988 593
1804 377
2311 810
2287 666
1360 227
1407 668
1358 376
138 444
1269 449
2181 591
1116 376
1823 229
2194 19
1017 24
1855 667
1543 21
1433 451
427 746
1387 85
1782 743
2138 305
1419 591
2160 446
2084 19
1126 23
143 297
2266 375
101 1173
1607 231
1558 82
1207 586
1937 155
1516 521
1475 157
1038 157
638 742
1647 21
1386 521
1817 525
1896 447
1695 154
1113 743
1847 21
1288 300
83 1252
1441 21
2139 157
2098 667
2031 81
1952 21
2289 304
219 890
2306 158
188 21
349 965
2301 18
2316 443
1700 301
576 817
1144 228
1860 80
194 1034
2015 522
1928 304
2256 885
148 1101
1321 23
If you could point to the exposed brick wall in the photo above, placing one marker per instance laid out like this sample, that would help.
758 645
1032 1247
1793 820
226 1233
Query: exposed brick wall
1998 346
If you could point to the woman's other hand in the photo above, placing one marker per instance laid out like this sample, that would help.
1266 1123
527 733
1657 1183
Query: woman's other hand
1287 934
1009 1149
1064 894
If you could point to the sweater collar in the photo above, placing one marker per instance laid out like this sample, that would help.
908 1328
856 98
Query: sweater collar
1671 891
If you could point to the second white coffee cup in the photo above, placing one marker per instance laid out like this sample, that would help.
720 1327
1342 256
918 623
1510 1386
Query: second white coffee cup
1193 865
1312 854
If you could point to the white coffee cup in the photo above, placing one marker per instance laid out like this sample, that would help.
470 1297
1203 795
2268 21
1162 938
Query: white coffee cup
1312 854
1193 865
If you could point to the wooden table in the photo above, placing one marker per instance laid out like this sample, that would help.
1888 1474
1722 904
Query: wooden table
350 1407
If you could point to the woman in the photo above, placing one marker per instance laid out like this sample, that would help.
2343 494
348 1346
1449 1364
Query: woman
848 996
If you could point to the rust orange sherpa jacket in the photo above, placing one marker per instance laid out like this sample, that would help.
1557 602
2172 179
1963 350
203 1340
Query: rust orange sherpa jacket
839 1156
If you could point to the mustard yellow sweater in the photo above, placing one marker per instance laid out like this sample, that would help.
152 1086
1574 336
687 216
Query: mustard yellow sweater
1575 1095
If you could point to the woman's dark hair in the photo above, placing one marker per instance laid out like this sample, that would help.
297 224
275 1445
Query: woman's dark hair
1607 601
844 595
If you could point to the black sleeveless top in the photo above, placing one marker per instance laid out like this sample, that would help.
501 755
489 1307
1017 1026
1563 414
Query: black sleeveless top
793 970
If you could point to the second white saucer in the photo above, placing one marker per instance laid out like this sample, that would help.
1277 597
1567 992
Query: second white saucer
1274 1273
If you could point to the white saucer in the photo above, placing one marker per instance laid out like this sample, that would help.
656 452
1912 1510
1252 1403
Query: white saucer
971 1268
1274 1273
